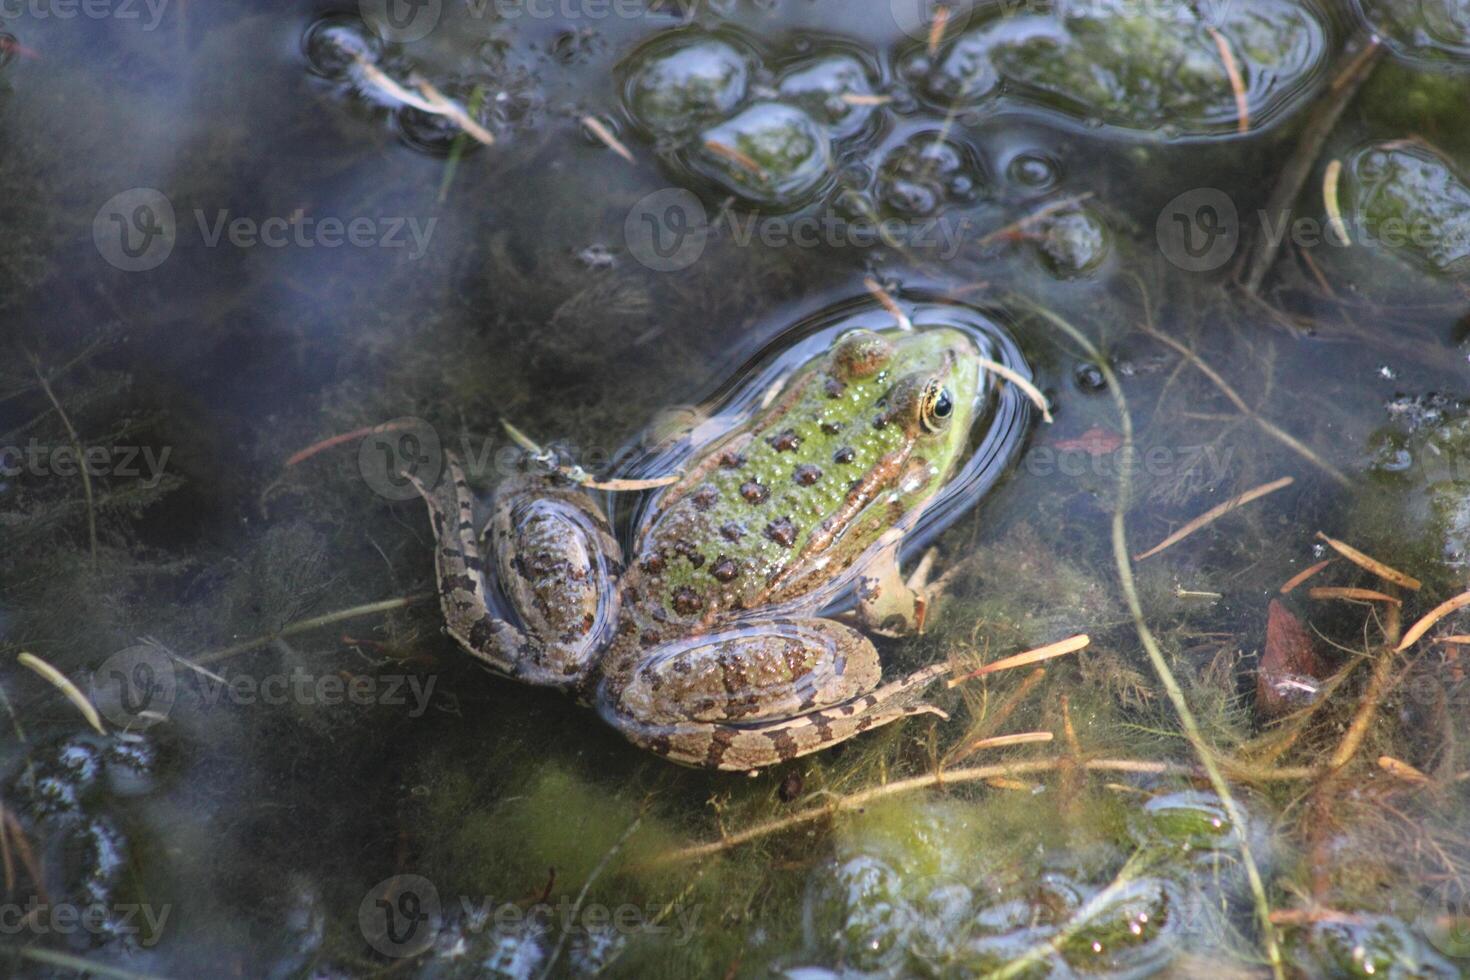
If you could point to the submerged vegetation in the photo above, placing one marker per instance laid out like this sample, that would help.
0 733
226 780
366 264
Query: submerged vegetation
1207 639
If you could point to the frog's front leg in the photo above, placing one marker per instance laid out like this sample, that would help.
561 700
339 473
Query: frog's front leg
888 603
759 693
556 563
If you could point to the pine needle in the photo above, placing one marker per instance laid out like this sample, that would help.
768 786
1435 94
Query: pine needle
1372 564
1215 513
1356 595
1058 649
1433 616
63 684
1303 575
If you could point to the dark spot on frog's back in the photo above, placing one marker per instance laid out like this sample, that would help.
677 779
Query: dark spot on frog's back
782 531
652 565
704 498
806 474
785 442
831 428
725 569
732 531
687 549
754 492
844 455
834 387
686 601
731 460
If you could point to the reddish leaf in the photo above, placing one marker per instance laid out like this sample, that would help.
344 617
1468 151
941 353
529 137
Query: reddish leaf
1096 441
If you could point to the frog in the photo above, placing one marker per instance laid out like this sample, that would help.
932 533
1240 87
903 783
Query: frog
706 644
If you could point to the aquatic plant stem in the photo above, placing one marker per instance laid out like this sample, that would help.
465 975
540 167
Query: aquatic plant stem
301 626
82 468
582 894
1150 645
938 780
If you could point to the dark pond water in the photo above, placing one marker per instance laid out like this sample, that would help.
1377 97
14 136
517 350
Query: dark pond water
260 257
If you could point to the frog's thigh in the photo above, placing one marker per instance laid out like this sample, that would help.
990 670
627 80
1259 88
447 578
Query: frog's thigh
741 747
753 672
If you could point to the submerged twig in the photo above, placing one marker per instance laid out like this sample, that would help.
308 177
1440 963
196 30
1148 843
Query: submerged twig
1215 513
1308 147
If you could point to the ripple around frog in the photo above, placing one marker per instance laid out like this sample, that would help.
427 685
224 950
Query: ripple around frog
999 430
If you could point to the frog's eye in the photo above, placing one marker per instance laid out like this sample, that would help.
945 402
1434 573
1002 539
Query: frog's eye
938 406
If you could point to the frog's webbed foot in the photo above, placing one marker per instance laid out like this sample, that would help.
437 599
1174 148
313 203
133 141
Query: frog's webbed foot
760 693
889 604
557 551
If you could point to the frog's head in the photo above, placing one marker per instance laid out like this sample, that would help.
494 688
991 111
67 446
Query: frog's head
928 390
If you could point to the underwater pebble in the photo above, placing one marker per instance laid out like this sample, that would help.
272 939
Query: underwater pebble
770 154
685 80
